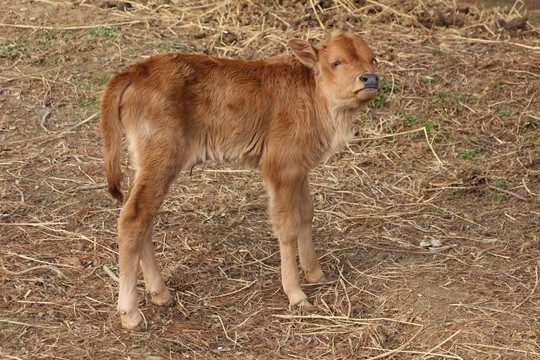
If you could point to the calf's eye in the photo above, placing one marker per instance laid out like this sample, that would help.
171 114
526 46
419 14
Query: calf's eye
335 64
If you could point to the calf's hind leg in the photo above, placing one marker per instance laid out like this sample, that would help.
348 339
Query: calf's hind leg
155 286
135 236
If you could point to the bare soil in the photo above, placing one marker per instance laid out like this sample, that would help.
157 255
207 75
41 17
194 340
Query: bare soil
427 224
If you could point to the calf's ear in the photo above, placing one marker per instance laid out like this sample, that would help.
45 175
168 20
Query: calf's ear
305 52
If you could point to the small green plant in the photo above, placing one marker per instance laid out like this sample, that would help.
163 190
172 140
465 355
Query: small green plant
45 41
498 84
440 136
178 45
108 32
505 112
531 123
82 84
445 94
111 267
429 125
409 120
428 80
10 49
380 100
439 211
100 79
91 103
501 184
467 154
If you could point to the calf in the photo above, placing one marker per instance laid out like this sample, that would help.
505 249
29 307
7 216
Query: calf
282 115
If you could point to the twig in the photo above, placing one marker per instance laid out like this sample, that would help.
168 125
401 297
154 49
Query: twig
403 133
85 121
110 273
225 330
398 349
232 292
316 15
536 48
532 292
431 147
528 352
43 120
29 325
507 192
78 27
50 267
445 341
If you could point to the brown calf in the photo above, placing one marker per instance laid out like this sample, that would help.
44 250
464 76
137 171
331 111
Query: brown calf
282 115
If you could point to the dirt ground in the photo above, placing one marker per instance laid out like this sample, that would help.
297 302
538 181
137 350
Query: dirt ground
427 224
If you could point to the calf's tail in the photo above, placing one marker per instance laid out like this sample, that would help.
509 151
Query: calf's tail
111 131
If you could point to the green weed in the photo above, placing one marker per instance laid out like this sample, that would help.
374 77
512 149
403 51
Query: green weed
429 125
45 41
498 84
531 123
380 100
445 94
428 80
82 84
467 154
440 136
100 79
91 103
501 184
409 120
108 32
10 49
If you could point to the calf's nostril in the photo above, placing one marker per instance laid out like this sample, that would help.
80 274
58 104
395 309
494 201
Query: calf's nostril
369 80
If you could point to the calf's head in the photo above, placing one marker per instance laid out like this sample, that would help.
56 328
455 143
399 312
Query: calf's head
344 68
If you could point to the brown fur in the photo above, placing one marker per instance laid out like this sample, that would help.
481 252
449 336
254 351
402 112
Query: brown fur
282 115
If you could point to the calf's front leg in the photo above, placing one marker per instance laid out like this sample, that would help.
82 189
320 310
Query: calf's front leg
306 251
292 225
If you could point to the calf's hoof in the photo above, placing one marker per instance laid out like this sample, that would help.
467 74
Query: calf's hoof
304 303
165 300
313 277
169 303
132 321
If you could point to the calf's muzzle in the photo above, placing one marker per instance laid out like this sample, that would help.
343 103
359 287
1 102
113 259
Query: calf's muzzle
370 81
